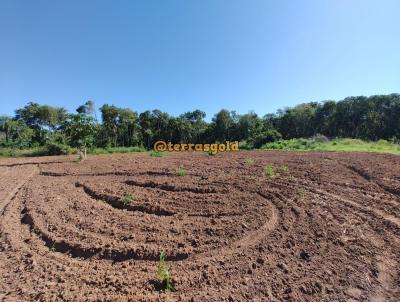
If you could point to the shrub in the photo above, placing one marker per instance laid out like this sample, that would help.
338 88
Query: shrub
382 142
53 148
270 135
245 145
320 138
395 140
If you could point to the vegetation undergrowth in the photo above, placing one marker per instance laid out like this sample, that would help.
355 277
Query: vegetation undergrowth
340 144
157 154
60 149
295 144
112 150
52 130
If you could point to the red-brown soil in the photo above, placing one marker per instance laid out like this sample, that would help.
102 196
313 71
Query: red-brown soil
327 228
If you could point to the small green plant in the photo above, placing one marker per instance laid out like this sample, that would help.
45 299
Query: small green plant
52 247
37 233
284 168
127 199
249 161
13 153
180 171
157 154
163 274
269 171
80 158
300 193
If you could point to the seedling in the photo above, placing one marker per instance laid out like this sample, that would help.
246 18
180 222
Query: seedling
284 168
127 199
249 161
52 247
163 274
300 193
269 171
180 171
37 233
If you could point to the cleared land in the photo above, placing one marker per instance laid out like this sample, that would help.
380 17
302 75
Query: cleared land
319 227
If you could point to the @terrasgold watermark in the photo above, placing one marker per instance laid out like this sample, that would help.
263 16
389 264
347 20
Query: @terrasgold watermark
161 146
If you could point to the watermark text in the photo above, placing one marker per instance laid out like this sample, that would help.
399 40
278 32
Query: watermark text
161 146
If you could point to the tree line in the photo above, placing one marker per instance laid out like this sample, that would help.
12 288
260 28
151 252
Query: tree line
369 118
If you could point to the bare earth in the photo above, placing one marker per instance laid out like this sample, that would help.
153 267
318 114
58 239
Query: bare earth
327 229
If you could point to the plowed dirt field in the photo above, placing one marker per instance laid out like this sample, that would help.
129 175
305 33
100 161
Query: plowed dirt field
321 227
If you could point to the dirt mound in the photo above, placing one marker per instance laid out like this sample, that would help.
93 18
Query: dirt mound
318 227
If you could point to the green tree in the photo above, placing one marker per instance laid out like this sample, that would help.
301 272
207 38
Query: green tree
222 124
43 119
80 131
109 116
16 133
198 125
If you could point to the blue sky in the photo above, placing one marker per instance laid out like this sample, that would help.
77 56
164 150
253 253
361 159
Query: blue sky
181 55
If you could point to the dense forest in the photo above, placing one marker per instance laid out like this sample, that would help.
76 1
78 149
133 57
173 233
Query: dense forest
369 118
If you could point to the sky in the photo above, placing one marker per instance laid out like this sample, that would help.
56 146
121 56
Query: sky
182 55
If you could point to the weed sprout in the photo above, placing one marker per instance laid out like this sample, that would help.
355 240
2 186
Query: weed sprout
127 199
269 171
163 274
180 171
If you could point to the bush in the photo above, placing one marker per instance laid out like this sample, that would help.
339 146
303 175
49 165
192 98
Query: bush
53 148
58 149
351 141
395 140
245 146
383 142
270 135
319 138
